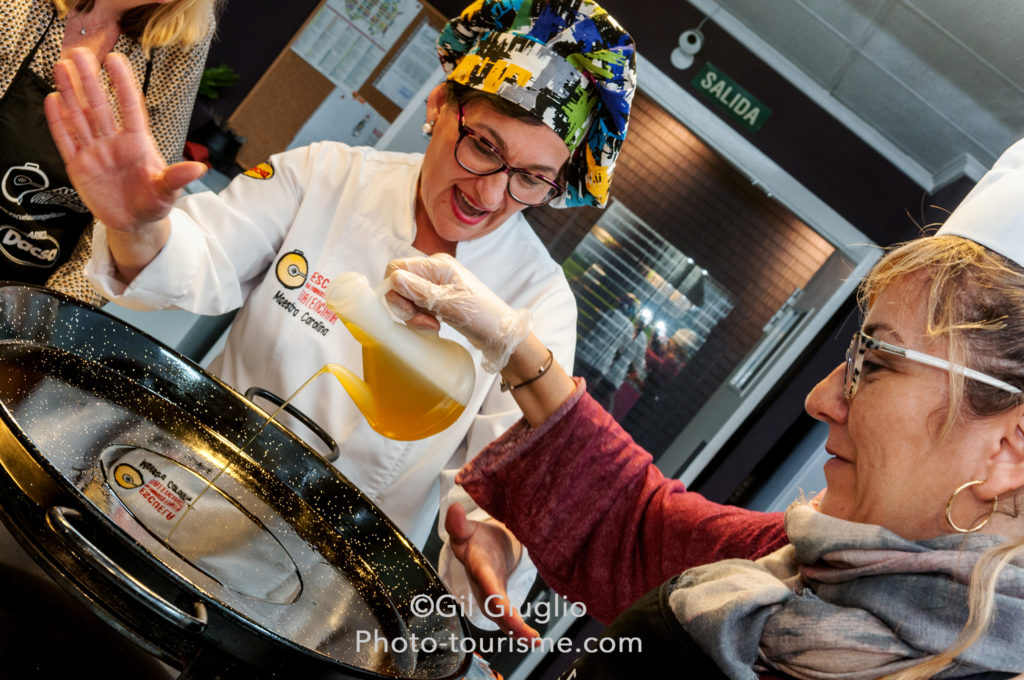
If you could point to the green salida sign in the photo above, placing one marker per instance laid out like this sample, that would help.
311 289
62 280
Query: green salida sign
737 102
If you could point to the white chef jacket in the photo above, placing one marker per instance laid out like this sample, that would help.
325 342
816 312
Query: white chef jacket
270 242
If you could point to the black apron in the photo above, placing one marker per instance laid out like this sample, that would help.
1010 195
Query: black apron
41 215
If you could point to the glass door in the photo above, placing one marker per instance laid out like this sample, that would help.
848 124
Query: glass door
698 287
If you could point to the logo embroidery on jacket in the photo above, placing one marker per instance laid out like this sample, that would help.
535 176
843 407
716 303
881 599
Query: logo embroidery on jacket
261 171
292 269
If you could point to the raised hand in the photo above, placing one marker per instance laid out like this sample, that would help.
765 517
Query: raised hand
486 550
115 167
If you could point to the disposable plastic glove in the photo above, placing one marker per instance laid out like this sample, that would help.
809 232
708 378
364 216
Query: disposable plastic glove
442 286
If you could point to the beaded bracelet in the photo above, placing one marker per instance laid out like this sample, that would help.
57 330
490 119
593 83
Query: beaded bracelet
506 387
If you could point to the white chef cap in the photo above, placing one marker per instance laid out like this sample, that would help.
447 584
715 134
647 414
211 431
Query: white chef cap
992 214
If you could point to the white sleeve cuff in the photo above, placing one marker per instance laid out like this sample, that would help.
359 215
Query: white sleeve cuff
169 280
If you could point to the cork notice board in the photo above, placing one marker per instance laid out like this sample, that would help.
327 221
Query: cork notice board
292 89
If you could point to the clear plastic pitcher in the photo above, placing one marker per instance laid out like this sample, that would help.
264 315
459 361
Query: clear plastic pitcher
415 384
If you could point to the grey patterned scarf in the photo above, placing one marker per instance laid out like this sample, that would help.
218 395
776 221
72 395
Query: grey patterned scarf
849 601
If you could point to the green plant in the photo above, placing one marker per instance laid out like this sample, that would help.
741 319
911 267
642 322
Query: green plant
214 78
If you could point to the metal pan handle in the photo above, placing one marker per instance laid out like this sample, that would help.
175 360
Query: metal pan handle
306 420
57 519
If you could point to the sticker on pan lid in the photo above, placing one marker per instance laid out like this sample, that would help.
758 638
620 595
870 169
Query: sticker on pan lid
199 522
141 482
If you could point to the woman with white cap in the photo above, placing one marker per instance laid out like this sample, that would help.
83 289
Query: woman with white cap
533 112
909 565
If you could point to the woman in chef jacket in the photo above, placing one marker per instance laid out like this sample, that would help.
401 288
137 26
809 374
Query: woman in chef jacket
533 111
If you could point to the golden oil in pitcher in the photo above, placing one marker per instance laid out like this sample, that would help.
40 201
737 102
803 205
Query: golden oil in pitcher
415 384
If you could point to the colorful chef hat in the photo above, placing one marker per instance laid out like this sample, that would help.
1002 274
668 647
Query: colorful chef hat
993 213
567 62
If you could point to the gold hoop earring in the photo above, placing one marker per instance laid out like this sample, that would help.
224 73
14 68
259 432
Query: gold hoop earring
980 525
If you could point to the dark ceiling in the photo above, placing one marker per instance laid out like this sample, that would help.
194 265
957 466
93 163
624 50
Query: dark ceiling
806 140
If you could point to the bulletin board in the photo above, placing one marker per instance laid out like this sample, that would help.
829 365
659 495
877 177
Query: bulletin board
407 53
292 89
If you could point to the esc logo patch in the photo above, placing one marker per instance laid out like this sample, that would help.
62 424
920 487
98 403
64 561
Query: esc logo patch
261 171
292 269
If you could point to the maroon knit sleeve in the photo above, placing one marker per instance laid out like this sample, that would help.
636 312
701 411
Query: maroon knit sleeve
600 521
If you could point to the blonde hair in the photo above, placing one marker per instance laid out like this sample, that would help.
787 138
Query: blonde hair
181 22
976 305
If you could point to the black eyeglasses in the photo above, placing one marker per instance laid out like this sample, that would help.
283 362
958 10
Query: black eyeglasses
479 156
862 342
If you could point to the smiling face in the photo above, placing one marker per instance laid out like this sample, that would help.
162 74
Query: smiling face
891 467
455 205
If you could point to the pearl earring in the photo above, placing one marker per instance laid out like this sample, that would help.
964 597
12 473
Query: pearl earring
428 129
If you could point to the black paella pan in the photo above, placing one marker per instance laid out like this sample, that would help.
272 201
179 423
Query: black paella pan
162 499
